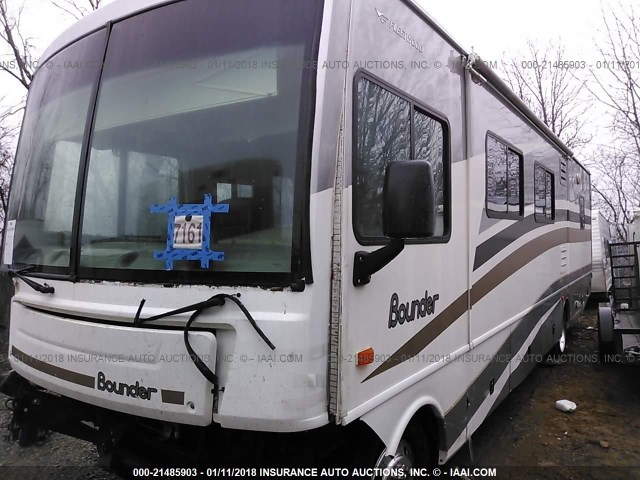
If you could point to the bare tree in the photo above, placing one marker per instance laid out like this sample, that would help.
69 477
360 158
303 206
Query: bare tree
616 83
616 185
19 61
78 8
546 83
7 136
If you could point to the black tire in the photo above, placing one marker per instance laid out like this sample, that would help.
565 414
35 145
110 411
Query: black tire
606 341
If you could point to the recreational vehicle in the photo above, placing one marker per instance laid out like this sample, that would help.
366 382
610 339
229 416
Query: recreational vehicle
600 265
244 226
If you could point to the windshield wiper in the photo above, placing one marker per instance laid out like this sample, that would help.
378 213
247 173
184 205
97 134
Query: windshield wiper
38 287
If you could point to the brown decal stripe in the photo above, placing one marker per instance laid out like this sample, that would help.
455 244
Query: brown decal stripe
523 255
425 336
578 236
168 396
480 289
501 240
53 370
172 396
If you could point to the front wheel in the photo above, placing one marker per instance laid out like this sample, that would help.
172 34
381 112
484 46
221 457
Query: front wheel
413 451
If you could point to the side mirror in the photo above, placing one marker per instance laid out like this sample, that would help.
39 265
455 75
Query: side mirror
409 209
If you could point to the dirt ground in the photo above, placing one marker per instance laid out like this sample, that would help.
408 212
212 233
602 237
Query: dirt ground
525 438
530 439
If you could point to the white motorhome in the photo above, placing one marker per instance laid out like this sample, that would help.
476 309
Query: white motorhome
600 264
240 227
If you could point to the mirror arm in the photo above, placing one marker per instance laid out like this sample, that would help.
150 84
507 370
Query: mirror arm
367 263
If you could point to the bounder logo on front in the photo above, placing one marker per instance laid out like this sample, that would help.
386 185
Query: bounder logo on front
120 388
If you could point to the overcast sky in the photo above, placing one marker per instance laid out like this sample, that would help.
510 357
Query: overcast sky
493 28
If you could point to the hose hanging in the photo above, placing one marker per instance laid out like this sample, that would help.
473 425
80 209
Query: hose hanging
197 308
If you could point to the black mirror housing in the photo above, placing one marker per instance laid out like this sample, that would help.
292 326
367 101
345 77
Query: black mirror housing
409 209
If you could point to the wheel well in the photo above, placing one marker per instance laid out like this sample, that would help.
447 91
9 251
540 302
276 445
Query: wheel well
422 415
427 419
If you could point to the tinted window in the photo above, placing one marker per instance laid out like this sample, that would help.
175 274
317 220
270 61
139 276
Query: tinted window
504 179
429 145
544 194
46 173
383 134
199 100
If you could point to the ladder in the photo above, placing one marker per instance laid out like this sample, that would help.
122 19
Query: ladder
625 275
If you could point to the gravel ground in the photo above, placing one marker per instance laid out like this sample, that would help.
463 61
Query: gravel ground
58 457
525 438
598 441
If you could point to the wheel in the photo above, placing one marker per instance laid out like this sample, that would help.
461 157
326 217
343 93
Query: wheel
606 341
28 435
413 451
561 345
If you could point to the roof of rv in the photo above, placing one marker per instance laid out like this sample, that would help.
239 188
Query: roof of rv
124 8
121 9
97 20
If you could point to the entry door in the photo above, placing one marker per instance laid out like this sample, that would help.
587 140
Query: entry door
413 312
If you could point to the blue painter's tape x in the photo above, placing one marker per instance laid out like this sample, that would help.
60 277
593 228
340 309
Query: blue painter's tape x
174 209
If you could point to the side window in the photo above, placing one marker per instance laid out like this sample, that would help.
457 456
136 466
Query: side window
581 205
389 128
429 145
504 179
544 194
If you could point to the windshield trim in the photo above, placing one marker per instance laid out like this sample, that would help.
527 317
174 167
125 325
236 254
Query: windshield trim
74 253
302 198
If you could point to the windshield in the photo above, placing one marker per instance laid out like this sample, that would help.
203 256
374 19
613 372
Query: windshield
45 178
194 151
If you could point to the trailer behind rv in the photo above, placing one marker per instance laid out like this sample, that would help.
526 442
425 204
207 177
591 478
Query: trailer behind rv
271 226
600 265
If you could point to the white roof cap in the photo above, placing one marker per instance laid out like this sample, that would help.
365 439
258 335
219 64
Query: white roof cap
97 20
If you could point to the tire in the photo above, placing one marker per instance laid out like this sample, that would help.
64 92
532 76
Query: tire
606 341
414 450
560 346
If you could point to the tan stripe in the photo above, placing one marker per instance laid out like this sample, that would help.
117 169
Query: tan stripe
498 274
53 370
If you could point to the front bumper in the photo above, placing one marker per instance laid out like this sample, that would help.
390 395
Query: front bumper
139 371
